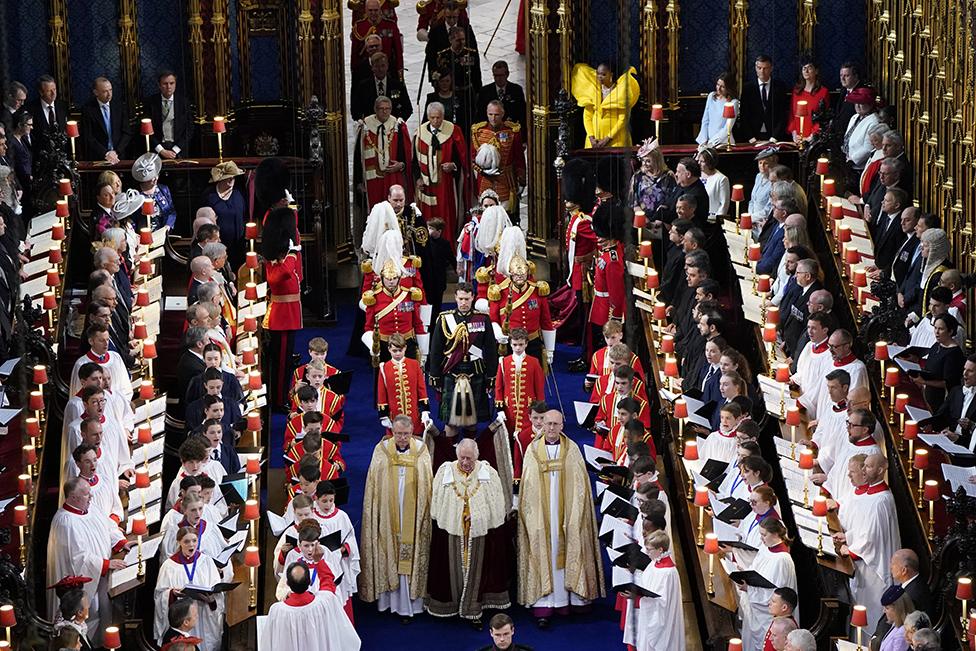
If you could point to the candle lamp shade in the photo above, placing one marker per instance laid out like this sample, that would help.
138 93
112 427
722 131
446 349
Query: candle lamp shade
931 492
806 459
691 450
252 558
30 454
24 484
852 255
820 506
139 527
53 278
671 367
901 402
148 208
219 124
763 285
251 231
61 208
802 109
921 459
667 343
254 380
745 221
71 129
251 260
829 187
54 255
20 516
145 235
146 127
769 333
783 373
892 377
680 408
711 543
33 426
640 219
142 298
253 465
8 618
142 478
860 278
772 315
140 331
145 434
793 416
823 165
701 496
57 232
836 210
964 588
755 252
653 279
146 390
735 644
251 292
149 349
111 639
250 324
728 111
36 401
248 356
911 430
881 350
40 374
253 421
251 510
859 616
145 267
660 311
738 192
50 301
645 249
657 112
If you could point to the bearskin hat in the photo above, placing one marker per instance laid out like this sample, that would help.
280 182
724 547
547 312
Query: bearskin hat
579 183
612 175
271 181
608 220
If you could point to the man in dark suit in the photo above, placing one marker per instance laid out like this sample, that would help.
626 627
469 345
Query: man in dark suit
510 95
105 129
889 175
381 83
956 417
50 115
889 235
775 247
764 105
438 38
688 175
904 572
171 119
893 145
182 618
15 94
795 308
850 78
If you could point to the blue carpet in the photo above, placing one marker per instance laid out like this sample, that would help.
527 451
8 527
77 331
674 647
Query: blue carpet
596 630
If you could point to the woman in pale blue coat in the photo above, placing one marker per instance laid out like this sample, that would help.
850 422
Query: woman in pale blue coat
714 130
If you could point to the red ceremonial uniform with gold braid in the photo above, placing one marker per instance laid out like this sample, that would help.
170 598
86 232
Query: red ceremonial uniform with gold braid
330 403
295 427
392 43
607 413
401 390
525 307
581 247
507 138
284 294
387 10
616 443
409 280
299 374
330 461
394 312
604 386
431 13
516 388
600 363
609 294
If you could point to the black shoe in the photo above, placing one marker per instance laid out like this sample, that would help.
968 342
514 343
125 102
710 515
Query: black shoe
542 622
477 624
577 365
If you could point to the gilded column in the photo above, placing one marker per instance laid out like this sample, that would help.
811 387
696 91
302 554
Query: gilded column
648 48
807 11
195 24
129 54
673 28
221 45
306 47
540 170
335 141
565 32
59 48
738 29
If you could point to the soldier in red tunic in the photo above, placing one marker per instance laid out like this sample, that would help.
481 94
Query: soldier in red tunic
498 148
381 247
519 383
518 302
401 388
284 315
494 221
609 293
375 23
387 9
578 185
392 310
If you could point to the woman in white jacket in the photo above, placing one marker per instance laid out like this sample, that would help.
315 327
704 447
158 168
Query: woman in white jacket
857 143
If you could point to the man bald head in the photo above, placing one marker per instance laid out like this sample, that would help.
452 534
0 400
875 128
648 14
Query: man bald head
875 467
859 398
796 219
904 566
778 630
820 300
201 267
552 425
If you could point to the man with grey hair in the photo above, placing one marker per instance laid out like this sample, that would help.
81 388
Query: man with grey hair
380 83
383 154
889 176
105 130
926 639
202 271
784 174
893 144
109 259
440 148
794 308
189 366
800 640
779 631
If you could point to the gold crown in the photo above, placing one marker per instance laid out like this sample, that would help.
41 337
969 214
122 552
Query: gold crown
389 270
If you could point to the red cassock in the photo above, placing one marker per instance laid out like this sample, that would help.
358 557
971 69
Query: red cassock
437 190
330 462
330 403
295 427
401 390
284 294
525 436
377 145
392 43
299 374
411 276
581 246
517 387
607 413
600 364
391 313
609 295
526 307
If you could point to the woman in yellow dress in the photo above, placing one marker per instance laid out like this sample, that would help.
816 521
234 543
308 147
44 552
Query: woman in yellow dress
606 103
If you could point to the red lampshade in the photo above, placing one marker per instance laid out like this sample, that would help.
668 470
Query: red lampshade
860 278
248 356
911 430
728 111
745 221
738 192
844 233
57 232
836 210
145 434
793 416
50 301
64 187
148 208
901 401
111 638
806 459
829 188
8 618
822 166
145 267
139 527
772 314
20 516
33 426
251 260
763 285
892 377
783 373
253 465
254 380
40 374
660 311
645 249
640 219
61 208
251 231
251 510
30 454
859 616
853 256
145 127
802 109
146 390
671 367
735 644
36 401
251 557
667 344
219 124
24 484
657 112
691 450
931 492
140 331
71 129
680 408
142 297
972 629
250 324
54 255
149 348
701 496
653 279
820 506
53 278
145 234
711 543
769 333
755 252
142 478
964 588
251 292
253 421
921 459
881 350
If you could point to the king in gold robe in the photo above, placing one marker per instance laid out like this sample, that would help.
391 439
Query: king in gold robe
396 523
559 561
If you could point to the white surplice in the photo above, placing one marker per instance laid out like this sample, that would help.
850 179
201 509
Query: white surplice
777 567
660 620
112 362
319 625
339 521
719 446
838 484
